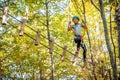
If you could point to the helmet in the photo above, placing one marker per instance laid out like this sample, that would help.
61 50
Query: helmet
75 17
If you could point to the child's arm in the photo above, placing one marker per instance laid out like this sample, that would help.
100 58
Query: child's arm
69 26
84 24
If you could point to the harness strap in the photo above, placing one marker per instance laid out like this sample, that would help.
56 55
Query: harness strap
79 36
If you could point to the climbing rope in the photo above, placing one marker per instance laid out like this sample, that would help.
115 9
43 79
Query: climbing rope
79 11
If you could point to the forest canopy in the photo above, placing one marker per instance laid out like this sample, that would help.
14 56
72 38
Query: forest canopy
35 43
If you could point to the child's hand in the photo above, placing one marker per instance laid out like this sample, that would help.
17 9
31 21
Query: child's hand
69 23
83 22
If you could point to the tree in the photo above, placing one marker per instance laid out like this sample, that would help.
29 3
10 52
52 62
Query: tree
21 59
117 13
112 60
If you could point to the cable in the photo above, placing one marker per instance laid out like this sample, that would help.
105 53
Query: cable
49 48
42 44
21 22
44 36
41 34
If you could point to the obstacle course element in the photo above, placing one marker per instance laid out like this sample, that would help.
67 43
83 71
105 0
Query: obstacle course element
4 15
21 31
64 53
37 38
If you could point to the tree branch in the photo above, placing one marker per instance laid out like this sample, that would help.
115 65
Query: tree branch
94 5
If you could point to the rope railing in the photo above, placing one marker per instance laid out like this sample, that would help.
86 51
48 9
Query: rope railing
41 34
43 44
45 38
77 9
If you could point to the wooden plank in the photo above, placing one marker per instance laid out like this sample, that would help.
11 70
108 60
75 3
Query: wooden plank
37 38
64 53
21 31
4 16
51 46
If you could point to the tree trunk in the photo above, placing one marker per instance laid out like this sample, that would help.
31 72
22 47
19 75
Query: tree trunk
112 60
110 77
84 11
33 76
117 19
41 75
49 40
111 35
0 72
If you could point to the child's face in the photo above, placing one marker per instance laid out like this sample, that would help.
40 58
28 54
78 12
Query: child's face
75 21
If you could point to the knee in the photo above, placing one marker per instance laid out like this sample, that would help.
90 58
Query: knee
85 50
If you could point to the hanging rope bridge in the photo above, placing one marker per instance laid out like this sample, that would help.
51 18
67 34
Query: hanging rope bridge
43 37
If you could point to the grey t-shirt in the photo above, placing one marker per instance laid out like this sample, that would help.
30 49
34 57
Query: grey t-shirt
77 29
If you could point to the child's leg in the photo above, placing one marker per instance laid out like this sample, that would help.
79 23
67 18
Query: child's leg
77 41
78 45
84 49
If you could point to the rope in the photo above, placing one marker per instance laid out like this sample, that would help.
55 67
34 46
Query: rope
41 34
44 36
78 11
41 43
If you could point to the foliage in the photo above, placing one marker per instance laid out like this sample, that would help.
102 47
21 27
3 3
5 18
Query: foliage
22 59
